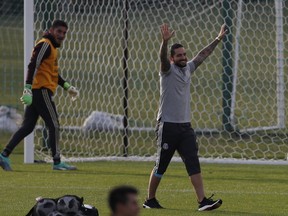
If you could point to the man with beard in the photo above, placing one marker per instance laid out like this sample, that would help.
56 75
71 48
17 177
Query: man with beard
41 83
174 131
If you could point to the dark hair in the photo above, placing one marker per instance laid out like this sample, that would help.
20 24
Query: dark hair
119 195
57 23
173 47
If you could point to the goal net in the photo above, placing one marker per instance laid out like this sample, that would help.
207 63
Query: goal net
94 59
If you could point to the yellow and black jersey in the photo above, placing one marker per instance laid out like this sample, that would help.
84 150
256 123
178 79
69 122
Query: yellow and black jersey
43 66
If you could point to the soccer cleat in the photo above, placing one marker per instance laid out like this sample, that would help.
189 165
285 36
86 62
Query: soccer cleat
5 163
152 203
63 166
207 204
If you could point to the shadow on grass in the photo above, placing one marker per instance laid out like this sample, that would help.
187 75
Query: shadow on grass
47 168
238 213
171 211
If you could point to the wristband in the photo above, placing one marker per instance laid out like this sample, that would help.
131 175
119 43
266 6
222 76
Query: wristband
66 85
28 86
218 38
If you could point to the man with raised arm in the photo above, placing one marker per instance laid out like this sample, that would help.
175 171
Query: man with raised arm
174 131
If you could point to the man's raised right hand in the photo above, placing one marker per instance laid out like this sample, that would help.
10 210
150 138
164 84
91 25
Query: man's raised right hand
166 33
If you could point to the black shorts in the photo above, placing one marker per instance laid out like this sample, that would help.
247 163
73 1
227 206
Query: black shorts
180 137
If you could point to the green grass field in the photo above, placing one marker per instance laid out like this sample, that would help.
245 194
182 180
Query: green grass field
247 190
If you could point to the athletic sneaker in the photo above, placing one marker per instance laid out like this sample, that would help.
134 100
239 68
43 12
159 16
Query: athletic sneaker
5 163
208 204
63 166
152 203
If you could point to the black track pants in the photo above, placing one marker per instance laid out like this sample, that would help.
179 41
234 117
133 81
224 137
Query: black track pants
43 106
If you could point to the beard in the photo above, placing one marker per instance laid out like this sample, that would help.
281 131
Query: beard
180 65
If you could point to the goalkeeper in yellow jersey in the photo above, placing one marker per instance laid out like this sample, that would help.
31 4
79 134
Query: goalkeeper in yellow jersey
41 83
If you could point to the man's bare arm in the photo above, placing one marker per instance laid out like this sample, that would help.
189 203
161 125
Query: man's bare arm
204 53
165 63
166 35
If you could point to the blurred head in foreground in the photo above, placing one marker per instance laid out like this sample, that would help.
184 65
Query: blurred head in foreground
123 201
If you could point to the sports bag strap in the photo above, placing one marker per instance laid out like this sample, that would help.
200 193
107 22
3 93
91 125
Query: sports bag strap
30 213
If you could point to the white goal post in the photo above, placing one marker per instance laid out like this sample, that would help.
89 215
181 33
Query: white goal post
28 47
92 59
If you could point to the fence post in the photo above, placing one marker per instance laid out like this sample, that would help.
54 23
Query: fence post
227 63
125 79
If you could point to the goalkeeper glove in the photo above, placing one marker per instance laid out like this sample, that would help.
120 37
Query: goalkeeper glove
27 97
73 92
